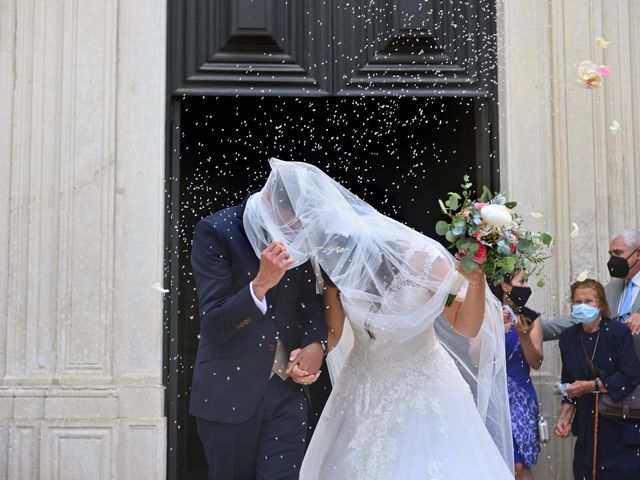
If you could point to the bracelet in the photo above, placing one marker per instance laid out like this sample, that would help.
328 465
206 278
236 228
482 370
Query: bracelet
596 385
475 285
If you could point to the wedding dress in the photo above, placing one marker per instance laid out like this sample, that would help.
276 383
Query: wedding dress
400 408
401 411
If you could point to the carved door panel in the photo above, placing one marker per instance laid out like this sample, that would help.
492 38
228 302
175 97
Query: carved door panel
332 47
433 47
250 47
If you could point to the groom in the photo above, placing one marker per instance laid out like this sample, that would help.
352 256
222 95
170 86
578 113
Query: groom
250 403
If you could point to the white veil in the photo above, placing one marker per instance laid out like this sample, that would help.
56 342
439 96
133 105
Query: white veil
393 280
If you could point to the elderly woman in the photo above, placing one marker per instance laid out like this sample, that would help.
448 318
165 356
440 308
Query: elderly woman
598 357
523 346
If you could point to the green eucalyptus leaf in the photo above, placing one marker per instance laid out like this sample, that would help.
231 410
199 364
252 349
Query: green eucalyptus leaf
503 249
509 264
442 227
460 223
450 236
467 263
444 209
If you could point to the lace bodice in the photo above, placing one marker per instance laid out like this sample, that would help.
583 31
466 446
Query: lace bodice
381 380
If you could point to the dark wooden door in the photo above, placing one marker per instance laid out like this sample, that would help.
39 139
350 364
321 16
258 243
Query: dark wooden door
393 99
332 47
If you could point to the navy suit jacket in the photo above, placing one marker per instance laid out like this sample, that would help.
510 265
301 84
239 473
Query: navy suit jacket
237 342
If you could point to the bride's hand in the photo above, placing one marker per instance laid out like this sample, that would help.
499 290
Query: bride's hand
475 278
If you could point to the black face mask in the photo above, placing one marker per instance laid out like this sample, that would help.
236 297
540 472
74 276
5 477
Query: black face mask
519 295
619 266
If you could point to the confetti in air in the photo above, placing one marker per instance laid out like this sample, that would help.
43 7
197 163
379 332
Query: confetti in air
575 230
591 75
536 215
614 127
601 42
582 276
160 288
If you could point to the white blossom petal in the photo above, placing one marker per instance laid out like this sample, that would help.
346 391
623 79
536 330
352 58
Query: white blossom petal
575 230
160 288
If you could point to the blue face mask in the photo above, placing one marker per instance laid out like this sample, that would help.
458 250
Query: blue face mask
584 313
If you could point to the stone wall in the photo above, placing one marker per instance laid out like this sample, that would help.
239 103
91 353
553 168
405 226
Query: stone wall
559 155
82 89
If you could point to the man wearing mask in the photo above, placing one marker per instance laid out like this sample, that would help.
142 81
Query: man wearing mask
622 292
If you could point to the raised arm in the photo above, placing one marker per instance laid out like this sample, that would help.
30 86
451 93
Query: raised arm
554 327
222 310
466 317
531 340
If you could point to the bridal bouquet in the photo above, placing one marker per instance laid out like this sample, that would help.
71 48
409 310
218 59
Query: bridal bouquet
489 235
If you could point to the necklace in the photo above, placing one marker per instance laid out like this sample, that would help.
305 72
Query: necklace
595 347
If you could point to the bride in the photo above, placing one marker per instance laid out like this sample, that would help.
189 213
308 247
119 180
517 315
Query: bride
422 393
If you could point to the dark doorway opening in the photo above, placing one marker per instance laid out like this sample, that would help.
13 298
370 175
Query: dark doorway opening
400 154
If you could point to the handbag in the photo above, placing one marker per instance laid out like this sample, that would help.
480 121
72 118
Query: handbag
627 408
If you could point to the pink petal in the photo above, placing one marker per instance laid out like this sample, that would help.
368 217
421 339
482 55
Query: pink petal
603 70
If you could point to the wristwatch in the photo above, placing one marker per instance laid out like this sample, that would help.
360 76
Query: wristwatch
596 385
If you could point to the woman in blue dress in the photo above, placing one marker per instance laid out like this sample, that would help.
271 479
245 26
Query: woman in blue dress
523 348
608 346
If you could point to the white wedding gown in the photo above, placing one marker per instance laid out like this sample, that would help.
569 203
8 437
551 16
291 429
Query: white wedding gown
401 411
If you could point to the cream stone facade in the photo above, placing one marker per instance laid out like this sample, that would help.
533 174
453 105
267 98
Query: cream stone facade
81 222
82 158
561 154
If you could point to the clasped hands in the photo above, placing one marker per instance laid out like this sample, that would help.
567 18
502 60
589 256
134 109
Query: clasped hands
304 364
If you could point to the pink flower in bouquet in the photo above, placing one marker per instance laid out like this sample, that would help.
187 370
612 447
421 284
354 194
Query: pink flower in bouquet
479 205
480 256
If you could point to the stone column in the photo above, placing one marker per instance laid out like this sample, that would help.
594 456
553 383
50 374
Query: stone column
559 155
81 229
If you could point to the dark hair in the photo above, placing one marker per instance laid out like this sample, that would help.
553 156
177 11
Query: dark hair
597 287
496 288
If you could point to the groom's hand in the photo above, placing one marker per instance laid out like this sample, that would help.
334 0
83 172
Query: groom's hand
274 261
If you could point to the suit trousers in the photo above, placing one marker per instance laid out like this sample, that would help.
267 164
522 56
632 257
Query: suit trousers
270 445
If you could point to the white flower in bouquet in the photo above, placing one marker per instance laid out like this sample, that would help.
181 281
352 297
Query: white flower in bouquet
496 215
